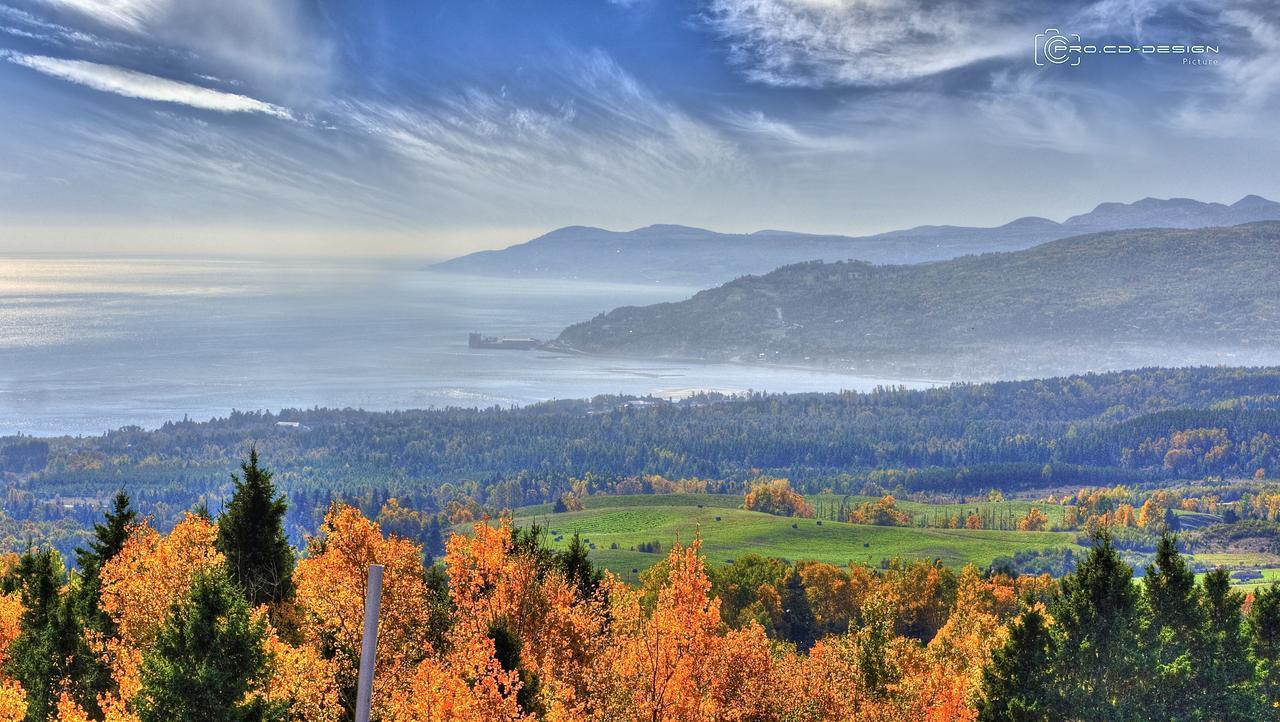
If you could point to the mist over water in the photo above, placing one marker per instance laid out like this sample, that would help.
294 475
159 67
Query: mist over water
90 344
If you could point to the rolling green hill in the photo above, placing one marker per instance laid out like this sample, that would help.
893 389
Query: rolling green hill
728 532
1124 297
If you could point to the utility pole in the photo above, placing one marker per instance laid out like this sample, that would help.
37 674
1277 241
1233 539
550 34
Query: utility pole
369 643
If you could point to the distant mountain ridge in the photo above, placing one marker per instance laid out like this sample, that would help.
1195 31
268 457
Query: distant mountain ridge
676 254
1092 302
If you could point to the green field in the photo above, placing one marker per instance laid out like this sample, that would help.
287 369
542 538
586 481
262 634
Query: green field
1269 576
729 532
1237 560
1014 509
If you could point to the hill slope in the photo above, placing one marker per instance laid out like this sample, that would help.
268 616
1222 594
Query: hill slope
679 254
728 532
1127 297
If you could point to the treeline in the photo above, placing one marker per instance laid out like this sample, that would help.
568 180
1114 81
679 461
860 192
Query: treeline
1150 425
220 619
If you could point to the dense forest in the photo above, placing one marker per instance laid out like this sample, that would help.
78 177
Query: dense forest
1127 297
1150 427
220 619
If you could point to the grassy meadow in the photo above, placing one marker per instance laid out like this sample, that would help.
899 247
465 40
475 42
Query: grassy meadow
728 532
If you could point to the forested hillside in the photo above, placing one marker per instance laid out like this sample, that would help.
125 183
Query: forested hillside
1131 297
1146 426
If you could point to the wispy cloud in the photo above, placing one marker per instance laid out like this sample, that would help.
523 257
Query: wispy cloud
819 43
597 132
133 84
1023 108
125 14
1244 96
276 44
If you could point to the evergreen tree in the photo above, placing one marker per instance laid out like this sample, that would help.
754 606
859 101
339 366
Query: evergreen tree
206 660
109 537
506 650
92 674
1100 666
1226 673
798 626
1264 642
1017 686
49 650
251 536
1174 632
578 569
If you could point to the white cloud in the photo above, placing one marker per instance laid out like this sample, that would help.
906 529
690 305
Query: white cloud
1023 108
125 14
1242 96
277 43
597 133
818 43
133 84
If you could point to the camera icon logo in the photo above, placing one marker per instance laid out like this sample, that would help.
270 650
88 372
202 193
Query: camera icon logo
1057 48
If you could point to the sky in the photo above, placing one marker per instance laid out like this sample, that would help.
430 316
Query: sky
435 127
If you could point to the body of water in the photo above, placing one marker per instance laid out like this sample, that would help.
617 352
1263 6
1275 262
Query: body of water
90 344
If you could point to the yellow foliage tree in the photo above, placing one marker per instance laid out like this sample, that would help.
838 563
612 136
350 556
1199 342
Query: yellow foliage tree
1035 520
330 589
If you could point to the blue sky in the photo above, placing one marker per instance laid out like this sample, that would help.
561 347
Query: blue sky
435 127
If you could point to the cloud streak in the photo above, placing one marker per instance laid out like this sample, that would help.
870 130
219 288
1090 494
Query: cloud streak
133 84
821 43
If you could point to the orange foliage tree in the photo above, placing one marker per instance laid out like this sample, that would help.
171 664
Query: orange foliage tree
775 496
330 583
1035 520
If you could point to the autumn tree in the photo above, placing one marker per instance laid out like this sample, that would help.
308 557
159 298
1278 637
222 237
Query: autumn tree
660 668
330 582
884 512
738 586
208 660
775 496
251 536
1035 520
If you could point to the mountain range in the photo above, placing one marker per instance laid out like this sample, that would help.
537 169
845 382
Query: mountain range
1116 299
681 255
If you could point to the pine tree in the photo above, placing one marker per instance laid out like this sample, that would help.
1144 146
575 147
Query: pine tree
207 659
1174 632
108 538
578 569
49 650
798 626
506 650
251 536
93 676
1264 642
1100 665
1017 685
1225 671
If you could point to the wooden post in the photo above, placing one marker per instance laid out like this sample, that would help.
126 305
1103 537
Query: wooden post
369 643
